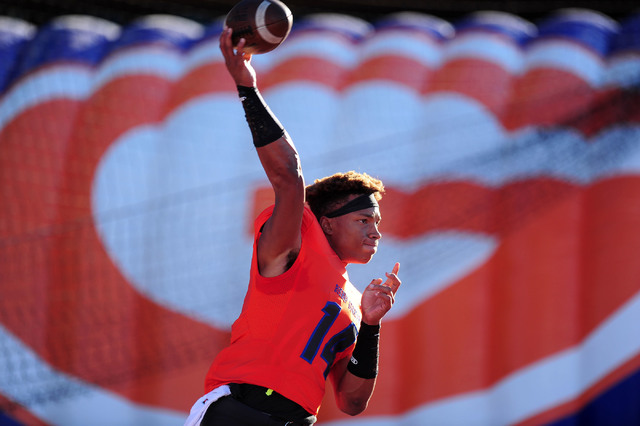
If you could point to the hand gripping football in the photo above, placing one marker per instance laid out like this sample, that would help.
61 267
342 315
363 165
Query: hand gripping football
264 24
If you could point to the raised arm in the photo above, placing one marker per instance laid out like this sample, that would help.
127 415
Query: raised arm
354 379
280 241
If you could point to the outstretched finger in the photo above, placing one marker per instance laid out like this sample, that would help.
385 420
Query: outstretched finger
392 278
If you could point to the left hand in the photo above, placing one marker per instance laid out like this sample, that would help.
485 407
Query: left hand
378 298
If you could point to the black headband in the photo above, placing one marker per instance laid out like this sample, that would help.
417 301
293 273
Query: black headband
362 202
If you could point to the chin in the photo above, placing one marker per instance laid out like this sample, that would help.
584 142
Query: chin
366 258
362 256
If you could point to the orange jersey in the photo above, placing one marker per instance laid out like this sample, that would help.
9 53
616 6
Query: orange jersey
295 326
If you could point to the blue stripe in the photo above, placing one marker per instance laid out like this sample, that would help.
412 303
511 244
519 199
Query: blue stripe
629 37
518 29
437 28
590 30
619 406
169 31
58 42
5 420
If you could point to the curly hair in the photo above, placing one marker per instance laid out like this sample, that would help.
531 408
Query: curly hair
326 194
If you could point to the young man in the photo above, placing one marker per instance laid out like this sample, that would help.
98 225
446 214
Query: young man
302 320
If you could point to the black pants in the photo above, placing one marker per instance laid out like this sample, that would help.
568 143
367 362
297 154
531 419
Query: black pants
229 412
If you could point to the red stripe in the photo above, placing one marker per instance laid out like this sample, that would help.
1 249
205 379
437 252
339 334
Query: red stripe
392 68
56 267
308 69
210 78
547 96
484 81
609 107
33 158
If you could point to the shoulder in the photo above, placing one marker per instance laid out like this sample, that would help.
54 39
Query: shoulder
308 218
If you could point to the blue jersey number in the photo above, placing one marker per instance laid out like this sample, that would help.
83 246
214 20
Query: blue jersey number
338 343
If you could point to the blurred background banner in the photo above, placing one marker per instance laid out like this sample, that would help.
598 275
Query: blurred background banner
509 144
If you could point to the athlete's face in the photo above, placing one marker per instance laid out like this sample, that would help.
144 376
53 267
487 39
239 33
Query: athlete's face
354 236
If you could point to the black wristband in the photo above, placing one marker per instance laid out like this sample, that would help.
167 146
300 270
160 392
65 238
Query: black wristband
364 360
265 127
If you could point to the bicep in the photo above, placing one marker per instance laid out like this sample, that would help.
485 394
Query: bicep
281 234
280 241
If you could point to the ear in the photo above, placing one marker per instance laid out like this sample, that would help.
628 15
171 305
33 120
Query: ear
326 225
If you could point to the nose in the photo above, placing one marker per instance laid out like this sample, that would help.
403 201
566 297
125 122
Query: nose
375 233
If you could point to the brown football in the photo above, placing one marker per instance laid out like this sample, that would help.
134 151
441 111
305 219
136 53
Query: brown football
264 24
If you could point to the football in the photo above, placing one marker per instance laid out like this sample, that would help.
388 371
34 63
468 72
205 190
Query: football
264 24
